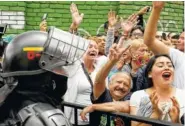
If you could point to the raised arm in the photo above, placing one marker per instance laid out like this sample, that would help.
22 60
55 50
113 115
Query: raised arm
150 31
140 13
99 84
76 18
112 20
128 24
43 26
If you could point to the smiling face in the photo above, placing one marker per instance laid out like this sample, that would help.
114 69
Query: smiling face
162 72
92 51
120 85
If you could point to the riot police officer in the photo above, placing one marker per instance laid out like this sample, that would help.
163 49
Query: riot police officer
35 68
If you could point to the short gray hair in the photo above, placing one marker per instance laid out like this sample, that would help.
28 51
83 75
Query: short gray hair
122 72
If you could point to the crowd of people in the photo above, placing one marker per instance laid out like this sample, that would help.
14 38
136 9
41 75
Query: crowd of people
142 74
128 69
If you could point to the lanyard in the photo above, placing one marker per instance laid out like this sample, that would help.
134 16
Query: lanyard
87 75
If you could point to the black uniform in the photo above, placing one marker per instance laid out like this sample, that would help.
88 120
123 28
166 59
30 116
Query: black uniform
34 72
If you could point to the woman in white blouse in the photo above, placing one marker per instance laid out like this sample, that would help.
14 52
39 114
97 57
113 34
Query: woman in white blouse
79 87
161 100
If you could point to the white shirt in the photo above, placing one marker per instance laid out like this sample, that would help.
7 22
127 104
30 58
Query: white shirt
178 59
138 95
79 90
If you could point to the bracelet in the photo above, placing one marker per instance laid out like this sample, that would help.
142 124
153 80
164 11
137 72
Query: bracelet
126 35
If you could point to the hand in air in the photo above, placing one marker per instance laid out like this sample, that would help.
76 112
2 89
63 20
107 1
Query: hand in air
76 16
128 24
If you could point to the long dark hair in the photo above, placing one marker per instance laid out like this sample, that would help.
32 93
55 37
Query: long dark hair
150 65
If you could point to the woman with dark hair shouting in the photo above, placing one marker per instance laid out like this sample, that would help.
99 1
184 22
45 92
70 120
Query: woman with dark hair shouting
161 100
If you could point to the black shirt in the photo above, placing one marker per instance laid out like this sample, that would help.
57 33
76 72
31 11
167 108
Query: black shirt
99 119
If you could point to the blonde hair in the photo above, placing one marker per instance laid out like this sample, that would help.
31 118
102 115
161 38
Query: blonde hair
94 38
136 43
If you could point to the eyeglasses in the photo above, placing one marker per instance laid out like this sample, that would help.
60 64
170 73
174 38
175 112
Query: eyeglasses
139 35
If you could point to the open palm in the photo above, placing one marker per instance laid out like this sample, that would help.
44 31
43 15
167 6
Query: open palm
76 17
112 18
43 26
128 24
115 52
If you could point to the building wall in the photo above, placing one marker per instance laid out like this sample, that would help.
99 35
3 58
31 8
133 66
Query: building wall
22 16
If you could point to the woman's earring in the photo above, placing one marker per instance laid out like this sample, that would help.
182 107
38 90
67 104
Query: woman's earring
150 76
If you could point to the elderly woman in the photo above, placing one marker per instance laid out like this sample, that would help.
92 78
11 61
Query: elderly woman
161 100
139 57
79 86
101 58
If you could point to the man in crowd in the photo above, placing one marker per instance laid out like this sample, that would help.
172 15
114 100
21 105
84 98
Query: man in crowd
119 90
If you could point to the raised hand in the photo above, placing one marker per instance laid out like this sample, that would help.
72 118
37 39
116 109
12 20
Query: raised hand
143 10
115 52
76 17
128 24
112 18
158 4
43 26
175 111
86 110
120 63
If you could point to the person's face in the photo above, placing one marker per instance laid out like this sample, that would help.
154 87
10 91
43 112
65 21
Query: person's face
101 45
180 43
136 34
142 50
119 86
92 51
174 41
162 72
158 36
141 55
126 56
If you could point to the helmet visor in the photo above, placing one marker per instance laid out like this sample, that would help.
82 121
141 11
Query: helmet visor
68 70
62 52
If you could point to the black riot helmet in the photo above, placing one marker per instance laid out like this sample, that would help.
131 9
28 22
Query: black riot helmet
35 52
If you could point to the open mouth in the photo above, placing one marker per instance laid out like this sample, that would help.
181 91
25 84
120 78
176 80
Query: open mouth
166 75
92 53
